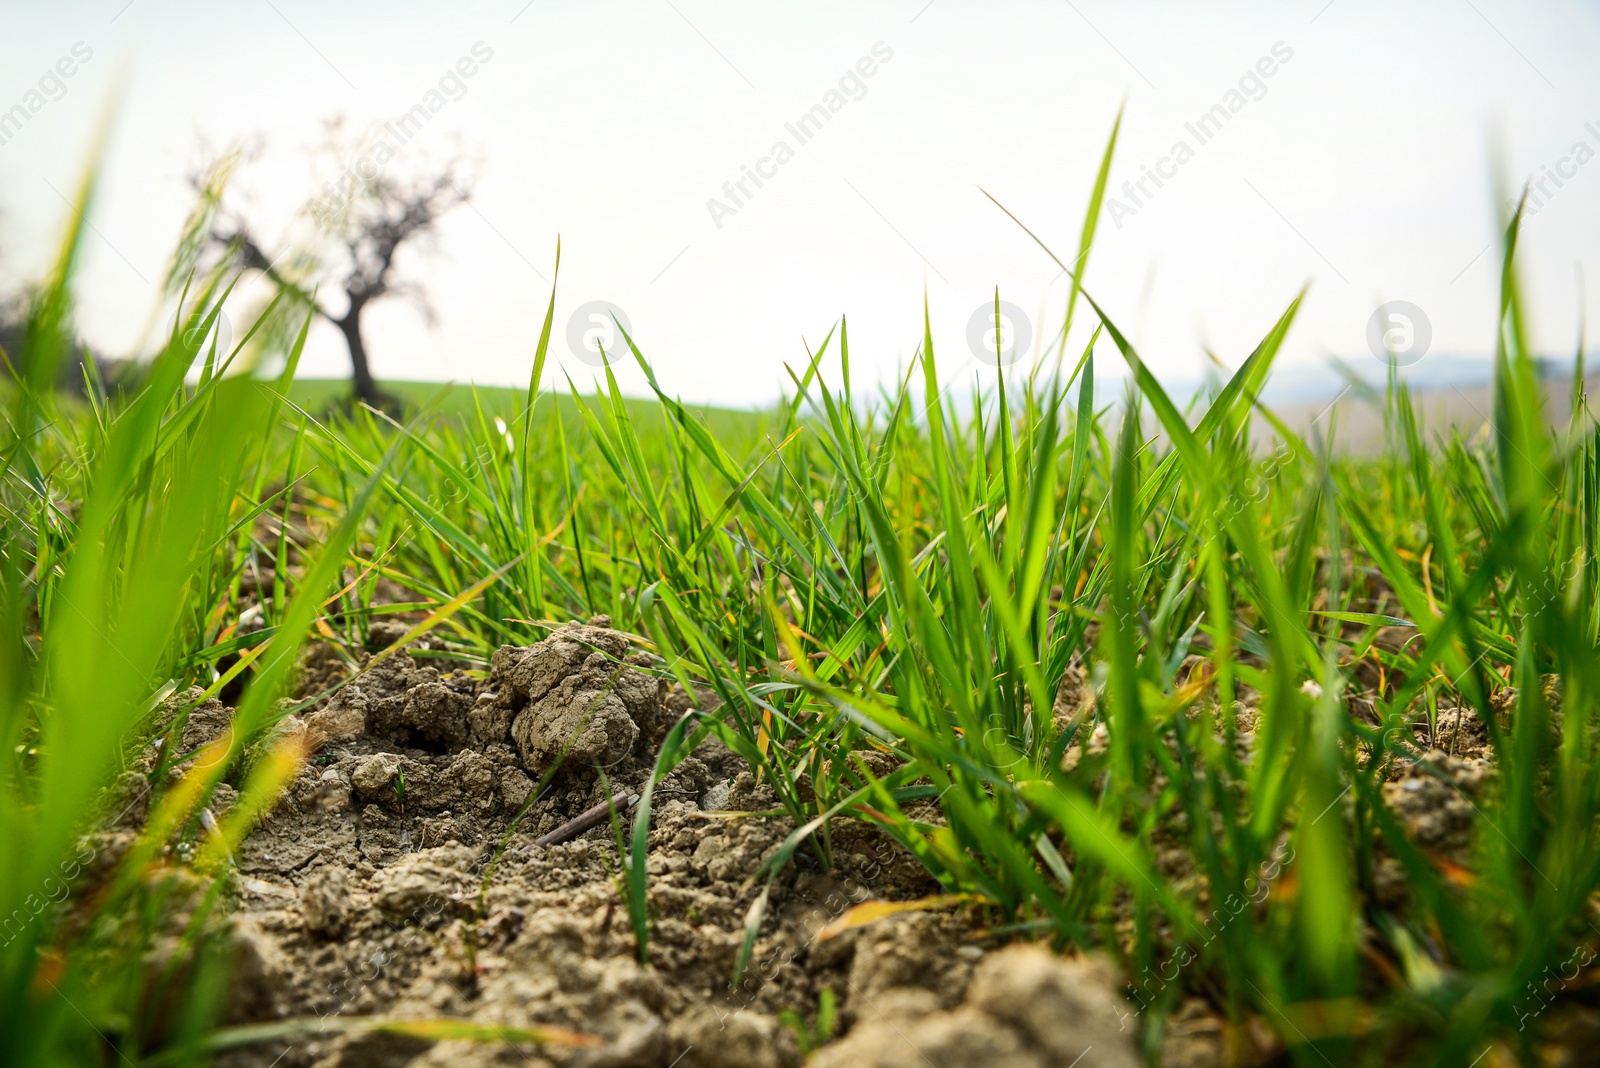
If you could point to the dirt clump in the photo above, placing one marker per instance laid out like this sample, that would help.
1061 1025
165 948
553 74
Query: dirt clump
400 875
1025 1008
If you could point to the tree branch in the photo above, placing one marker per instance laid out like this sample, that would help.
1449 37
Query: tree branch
250 256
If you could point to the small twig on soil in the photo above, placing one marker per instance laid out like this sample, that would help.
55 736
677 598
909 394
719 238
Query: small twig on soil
574 827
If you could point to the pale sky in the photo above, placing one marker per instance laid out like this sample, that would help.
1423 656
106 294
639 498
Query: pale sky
1361 165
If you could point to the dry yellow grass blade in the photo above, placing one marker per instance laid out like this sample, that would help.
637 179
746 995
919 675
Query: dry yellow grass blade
435 1029
872 911
267 782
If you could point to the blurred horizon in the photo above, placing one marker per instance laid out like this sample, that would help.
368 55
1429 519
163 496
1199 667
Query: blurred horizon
1345 145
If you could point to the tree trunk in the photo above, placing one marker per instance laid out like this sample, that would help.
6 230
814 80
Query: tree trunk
361 383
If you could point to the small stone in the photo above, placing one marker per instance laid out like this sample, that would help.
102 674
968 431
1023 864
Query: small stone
515 786
339 721
332 792
716 798
375 774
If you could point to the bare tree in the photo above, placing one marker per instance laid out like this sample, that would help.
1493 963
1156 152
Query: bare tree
362 221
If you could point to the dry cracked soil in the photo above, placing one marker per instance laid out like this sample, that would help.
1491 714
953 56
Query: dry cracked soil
406 874
395 878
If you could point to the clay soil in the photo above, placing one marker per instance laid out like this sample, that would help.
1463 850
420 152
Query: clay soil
401 876
407 873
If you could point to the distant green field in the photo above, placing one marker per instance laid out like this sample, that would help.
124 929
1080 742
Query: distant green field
461 402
